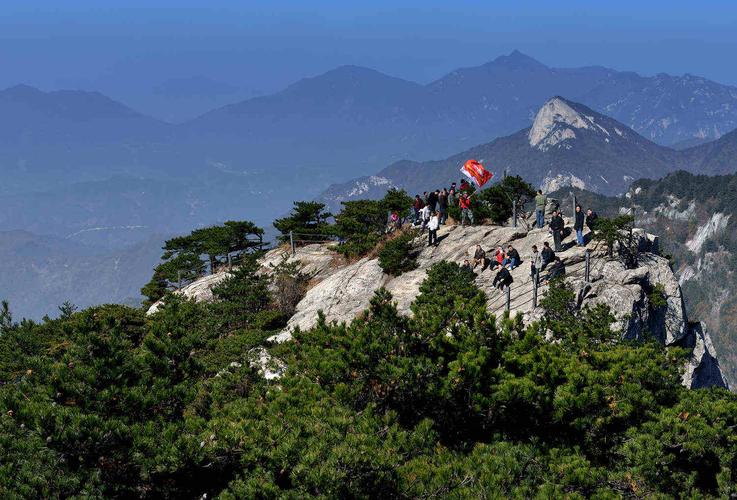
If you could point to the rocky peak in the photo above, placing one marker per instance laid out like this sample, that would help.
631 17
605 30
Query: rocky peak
555 122
343 290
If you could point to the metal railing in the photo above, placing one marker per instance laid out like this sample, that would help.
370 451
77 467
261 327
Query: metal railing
309 238
515 292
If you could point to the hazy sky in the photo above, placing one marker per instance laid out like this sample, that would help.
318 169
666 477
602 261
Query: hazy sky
139 51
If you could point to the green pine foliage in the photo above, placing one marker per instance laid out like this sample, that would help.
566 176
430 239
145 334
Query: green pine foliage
499 198
450 402
361 224
308 219
613 231
398 254
186 258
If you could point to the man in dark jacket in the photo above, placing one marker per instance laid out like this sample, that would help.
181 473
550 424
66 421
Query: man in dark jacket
578 225
443 205
513 259
547 255
557 270
503 278
416 207
556 227
432 201
591 217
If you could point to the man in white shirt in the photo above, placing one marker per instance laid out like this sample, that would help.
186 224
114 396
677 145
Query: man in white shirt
432 226
424 217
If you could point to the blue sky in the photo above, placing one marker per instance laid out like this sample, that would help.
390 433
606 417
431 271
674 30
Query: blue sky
127 49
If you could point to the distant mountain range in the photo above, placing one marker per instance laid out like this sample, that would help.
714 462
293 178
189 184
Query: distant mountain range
39 273
568 144
82 166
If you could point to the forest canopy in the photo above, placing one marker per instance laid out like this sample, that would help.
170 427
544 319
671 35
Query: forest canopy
450 402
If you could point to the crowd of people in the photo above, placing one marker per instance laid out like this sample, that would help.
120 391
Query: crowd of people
430 211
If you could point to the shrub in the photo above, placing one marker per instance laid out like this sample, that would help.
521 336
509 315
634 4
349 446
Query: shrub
289 285
397 255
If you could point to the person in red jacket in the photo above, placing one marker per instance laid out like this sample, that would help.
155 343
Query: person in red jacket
466 213
416 207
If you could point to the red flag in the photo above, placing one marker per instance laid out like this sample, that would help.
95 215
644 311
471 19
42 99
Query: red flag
476 172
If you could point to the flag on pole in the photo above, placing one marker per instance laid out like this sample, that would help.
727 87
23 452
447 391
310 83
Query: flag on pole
476 172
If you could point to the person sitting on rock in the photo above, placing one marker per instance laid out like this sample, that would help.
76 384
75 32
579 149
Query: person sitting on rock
432 226
467 266
512 258
479 257
498 258
557 270
547 255
557 226
503 278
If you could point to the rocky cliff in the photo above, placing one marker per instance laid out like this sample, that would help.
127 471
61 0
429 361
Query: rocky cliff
342 290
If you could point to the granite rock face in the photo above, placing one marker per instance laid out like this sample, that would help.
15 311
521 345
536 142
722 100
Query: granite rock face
343 290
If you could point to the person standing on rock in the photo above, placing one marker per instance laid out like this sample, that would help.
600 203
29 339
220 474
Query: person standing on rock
591 217
536 262
541 201
432 201
557 226
466 213
424 217
432 226
578 225
416 207
443 206
452 194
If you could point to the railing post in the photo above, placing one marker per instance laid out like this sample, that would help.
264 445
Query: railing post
514 213
588 267
179 280
230 263
535 281
573 214
291 243
509 297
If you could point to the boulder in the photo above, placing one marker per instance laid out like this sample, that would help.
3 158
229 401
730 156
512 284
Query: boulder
702 368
